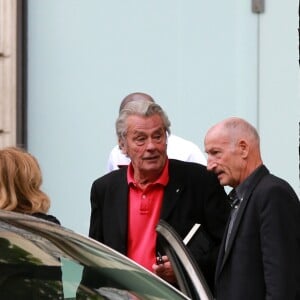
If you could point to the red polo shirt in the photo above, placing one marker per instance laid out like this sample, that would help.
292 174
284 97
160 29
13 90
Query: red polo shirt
143 216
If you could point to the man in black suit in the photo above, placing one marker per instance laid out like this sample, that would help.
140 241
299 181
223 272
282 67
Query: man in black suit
127 204
260 253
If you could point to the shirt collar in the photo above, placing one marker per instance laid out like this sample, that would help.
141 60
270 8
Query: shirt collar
234 199
242 188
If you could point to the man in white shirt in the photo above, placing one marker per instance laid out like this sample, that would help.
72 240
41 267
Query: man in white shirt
178 148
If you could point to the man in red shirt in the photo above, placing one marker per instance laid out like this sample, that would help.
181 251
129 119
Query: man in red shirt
128 203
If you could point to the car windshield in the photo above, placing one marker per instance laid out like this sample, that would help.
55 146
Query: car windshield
41 260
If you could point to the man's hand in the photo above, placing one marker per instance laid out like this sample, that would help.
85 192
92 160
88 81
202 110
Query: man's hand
164 269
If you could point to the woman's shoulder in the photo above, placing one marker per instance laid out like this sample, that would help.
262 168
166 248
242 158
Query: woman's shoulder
46 217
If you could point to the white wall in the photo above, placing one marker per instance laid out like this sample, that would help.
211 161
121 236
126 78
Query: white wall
279 110
198 59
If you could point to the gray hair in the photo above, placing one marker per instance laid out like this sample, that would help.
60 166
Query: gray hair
143 108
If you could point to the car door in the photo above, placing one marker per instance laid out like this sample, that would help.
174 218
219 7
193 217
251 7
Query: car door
189 278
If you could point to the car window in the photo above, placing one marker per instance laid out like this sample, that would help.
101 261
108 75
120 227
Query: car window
25 269
39 260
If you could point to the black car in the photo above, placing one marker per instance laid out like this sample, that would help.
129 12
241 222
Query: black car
42 260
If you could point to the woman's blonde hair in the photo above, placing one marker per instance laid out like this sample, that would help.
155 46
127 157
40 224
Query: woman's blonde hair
20 182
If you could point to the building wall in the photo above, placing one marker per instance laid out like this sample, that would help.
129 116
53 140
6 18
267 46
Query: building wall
202 61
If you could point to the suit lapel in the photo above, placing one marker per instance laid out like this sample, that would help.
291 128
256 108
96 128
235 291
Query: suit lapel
172 191
171 197
235 227
221 259
223 256
122 208
118 210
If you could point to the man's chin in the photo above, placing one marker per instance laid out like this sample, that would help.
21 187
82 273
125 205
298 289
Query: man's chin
153 162
222 179
152 166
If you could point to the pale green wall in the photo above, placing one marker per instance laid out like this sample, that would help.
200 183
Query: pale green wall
197 58
279 92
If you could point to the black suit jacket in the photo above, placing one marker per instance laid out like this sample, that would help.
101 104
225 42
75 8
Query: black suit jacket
262 260
193 195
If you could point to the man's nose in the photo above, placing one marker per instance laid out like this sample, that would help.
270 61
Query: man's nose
210 163
151 143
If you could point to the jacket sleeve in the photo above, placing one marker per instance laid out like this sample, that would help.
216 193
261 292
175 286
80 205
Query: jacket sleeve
279 215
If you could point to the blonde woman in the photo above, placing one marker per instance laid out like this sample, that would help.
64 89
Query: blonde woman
20 184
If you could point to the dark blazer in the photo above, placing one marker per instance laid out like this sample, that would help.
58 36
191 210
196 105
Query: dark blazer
262 260
193 195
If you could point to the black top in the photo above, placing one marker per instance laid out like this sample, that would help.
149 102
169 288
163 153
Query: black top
46 217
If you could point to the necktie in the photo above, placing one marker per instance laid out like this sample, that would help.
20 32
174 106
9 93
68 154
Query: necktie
234 203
